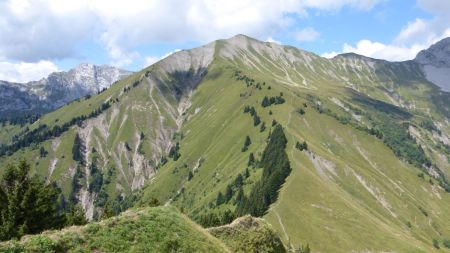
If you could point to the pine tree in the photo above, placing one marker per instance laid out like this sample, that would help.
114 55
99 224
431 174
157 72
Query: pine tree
247 143
75 216
265 102
251 160
263 127
174 152
28 205
227 217
239 196
96 177
239 181
220 199
228 193
301 146
256 120
247 173
42 152
78 150
75 185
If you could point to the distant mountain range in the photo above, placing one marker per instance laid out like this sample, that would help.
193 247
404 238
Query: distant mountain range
56 90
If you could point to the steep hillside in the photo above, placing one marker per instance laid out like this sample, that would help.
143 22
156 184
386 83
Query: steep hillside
157 229
367 145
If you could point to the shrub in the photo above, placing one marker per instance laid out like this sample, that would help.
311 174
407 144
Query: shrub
436 244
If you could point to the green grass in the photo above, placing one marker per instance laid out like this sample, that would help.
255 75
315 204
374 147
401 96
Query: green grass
157 229
248 234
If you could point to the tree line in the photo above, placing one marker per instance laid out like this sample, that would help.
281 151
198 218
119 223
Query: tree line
276 168
43 132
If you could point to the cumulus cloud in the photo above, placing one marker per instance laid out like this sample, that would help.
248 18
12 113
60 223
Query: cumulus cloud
306 34
272 40
32 30
338 4
149 60
36 30
24 72
329 55
382 51
417 35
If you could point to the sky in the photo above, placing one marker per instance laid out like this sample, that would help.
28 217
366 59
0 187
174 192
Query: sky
38 37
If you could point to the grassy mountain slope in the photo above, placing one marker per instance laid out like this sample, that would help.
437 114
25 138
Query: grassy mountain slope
356 187
159 229
349 186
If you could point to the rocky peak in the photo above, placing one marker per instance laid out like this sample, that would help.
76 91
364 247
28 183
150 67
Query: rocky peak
435 62
438 55
57 89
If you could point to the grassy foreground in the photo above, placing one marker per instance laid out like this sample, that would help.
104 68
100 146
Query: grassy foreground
157 229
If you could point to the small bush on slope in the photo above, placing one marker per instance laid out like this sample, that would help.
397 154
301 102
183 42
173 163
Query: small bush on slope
248 234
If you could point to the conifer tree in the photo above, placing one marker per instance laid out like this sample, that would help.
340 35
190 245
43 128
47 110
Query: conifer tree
78 150
251 160
27 204
228 193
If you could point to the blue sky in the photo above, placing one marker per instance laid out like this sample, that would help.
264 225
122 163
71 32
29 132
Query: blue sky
38 37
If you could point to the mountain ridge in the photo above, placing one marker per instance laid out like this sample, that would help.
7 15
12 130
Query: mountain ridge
190 131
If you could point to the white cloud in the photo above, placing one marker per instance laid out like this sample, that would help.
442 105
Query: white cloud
32 30
329 55
306 34
435 6
35 30
272 40
382 51
417 35
24 72
338 4
149 60
378 50
170 53
117 55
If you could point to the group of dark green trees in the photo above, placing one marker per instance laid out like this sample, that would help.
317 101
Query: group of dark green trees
43 132
252 111
28 205
174 152
268 101
276 168
20 120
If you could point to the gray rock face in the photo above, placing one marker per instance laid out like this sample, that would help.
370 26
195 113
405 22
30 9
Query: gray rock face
436 63
56 90
438 55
